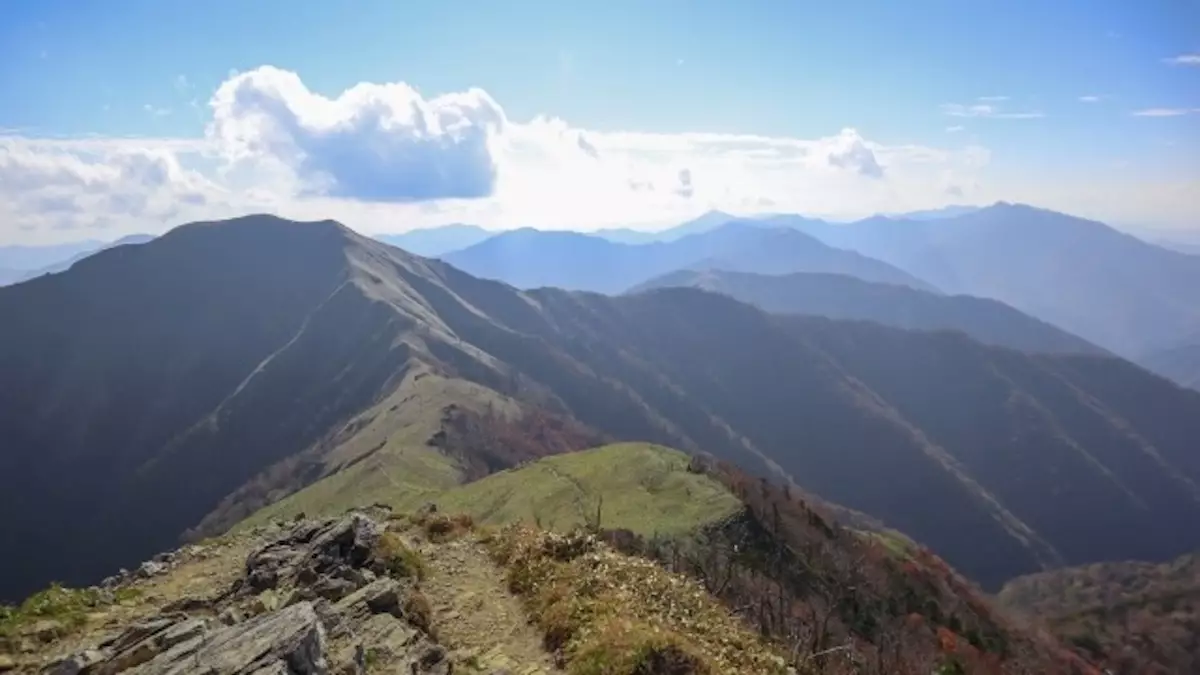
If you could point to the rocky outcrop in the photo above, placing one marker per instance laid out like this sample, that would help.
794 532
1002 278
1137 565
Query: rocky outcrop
315 600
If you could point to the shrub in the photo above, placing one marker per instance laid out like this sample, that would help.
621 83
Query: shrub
418 611
68 606
440 527
398 560
637 648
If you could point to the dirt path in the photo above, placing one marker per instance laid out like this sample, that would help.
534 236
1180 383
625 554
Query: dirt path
476 616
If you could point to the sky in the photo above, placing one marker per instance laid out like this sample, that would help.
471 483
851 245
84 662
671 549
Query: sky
134 116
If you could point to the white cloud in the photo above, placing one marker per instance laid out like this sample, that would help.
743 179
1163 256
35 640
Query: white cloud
993 99
849 151
383 157
156 111
1164 112
986 110
954 129
120 185
1184 60
375 142
1090 98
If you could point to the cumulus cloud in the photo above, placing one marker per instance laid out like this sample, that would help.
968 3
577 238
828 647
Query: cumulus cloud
848 151
67 185
375 142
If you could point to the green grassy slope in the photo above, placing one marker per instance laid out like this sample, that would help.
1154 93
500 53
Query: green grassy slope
637 486
382 456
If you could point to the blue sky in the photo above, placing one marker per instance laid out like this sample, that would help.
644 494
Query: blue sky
900 74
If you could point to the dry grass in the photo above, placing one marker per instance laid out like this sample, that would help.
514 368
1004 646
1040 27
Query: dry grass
397 559
610 614
441 527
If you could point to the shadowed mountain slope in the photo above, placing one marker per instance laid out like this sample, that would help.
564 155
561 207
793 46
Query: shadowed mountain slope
225 365
843 297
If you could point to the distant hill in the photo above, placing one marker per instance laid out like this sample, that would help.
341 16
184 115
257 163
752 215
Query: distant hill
1132 617
1108 287
951 211
224 366
1181 364
65 264
625 235
532 258
439 240
843 297
26 258
128 240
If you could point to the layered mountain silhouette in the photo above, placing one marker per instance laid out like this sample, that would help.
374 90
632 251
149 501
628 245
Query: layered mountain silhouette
532 258
234 362
26 258
839 296
1106 286
89 248
435 241
1181 363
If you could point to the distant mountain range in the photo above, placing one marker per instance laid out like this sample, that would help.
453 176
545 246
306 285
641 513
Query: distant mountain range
26 258
436 241
843 297
223 366
1110 288
532 258
82 251
1181 363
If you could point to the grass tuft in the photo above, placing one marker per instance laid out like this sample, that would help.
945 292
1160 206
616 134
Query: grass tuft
418 610
397 559
67 607
440 527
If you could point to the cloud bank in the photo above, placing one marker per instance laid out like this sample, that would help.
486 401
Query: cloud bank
386 157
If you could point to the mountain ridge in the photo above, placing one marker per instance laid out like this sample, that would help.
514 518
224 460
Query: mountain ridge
844 297
529 258
309 344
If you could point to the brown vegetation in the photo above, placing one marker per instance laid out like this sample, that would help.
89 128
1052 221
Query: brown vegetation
1132 617
838 600
609 614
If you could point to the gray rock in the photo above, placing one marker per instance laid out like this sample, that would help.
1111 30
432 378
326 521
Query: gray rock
77 664
150 569
289 641
181 632
139 631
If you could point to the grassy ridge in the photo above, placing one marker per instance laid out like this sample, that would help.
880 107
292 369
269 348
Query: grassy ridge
384 454
636 486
